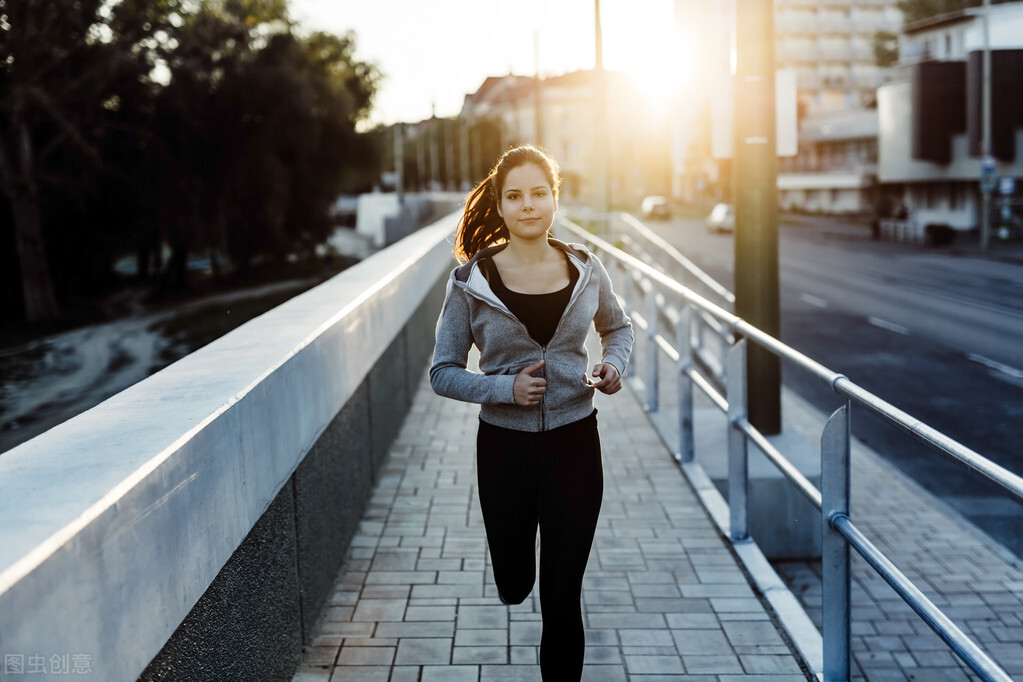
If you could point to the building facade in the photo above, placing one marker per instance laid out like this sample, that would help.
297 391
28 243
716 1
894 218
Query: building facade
829 46
560 113
931 121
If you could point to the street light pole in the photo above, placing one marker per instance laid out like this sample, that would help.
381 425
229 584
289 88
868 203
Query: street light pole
986 160
600 117
755 189
399 161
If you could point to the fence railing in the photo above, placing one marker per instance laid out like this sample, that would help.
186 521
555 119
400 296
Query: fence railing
656 292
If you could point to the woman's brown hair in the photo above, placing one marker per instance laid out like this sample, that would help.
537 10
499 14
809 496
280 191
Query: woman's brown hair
481 225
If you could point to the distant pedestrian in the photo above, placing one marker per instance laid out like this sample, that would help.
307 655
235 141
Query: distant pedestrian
527 302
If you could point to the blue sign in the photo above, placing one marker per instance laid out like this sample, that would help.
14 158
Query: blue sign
987 174
1006 184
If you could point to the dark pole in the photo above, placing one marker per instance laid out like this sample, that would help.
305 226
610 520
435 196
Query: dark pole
537 92
756 204
600 104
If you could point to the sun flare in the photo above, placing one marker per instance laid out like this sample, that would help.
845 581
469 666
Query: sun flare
650 51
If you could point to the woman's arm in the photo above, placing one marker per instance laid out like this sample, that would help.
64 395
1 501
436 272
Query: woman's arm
612 324
448 374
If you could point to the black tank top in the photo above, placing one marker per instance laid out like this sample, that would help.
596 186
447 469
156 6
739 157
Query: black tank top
540 313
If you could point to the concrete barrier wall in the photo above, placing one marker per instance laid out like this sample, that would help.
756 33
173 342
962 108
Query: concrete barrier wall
190 526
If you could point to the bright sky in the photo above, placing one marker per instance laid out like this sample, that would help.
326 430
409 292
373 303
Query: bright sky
437 51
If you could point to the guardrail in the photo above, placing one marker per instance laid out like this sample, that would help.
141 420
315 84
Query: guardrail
839 532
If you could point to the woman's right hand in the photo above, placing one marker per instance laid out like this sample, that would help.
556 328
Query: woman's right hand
528 390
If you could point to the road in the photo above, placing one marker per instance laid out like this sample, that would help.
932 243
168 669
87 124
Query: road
938 334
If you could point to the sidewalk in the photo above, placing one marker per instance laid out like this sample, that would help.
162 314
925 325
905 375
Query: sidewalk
664 597
975 581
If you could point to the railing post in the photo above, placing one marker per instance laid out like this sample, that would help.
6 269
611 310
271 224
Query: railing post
738 466
653 317
627 283
834 548
684 343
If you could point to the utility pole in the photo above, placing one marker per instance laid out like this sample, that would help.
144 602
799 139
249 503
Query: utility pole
986 161
434 138
537 92
449 154
755 189
399 161
600 119
466 176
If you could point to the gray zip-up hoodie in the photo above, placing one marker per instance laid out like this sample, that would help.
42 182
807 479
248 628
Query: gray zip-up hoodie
473 314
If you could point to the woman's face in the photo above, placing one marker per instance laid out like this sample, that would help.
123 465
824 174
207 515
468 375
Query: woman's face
527 203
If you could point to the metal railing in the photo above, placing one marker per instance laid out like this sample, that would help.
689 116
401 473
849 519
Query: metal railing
839 532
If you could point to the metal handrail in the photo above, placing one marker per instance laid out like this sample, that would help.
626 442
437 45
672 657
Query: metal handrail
839 382
832 499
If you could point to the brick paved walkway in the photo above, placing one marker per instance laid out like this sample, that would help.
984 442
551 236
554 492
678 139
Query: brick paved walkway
664 598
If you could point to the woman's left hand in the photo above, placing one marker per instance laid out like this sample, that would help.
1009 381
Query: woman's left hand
608 380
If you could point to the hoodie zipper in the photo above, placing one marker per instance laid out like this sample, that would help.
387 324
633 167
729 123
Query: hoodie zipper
543 398
543 348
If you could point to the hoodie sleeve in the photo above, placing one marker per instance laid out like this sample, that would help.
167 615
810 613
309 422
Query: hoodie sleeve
448 374
612 324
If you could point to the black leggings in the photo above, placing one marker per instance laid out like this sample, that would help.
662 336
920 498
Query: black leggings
553 479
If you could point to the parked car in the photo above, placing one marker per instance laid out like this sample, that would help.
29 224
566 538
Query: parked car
656 207
721 218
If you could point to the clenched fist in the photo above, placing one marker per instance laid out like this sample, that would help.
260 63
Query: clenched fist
528 390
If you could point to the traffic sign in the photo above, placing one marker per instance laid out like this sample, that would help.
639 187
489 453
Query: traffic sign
1006 184
987 174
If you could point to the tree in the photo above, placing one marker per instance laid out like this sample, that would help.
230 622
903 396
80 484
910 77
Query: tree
59 63
917 10
269 139
886 48
192 124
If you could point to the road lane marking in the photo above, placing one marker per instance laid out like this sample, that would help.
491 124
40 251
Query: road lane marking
997 366
890 326
813 300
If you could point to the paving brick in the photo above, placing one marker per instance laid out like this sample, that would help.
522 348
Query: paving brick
702 642
362 674
481 638
633 638
711 664
430 613
380 609
510 673
450 673
747 634
423 652
758 664
319 656
482 617
626 620
366 656
653 665
524 634
600 655
524 655
423 630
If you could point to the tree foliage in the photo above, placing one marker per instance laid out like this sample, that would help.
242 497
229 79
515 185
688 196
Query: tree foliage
168 126
916 10
886 48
